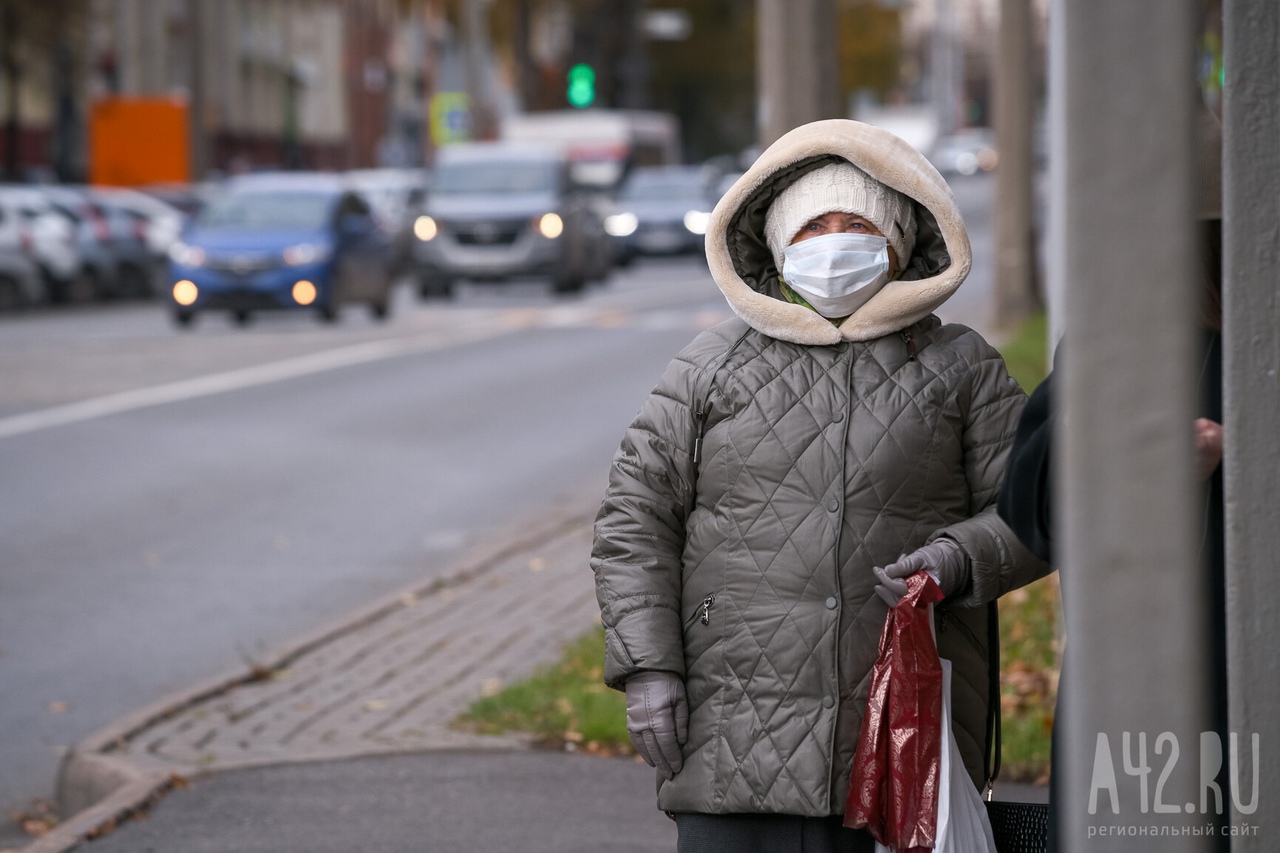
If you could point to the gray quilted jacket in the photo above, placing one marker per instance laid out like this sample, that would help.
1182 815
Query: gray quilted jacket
777 461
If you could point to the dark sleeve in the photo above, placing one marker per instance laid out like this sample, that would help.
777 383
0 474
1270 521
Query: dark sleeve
1027 493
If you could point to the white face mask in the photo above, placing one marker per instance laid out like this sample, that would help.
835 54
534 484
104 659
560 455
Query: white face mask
837 273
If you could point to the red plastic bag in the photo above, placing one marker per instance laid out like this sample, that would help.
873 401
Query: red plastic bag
893 791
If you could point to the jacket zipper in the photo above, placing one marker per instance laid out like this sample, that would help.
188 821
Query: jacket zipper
703 613
910 342
704 404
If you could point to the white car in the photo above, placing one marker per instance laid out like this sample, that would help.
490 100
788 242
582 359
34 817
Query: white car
966 152
50 235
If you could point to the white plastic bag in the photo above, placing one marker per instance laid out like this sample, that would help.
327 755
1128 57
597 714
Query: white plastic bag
962 818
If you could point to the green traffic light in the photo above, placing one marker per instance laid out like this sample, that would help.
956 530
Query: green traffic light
582 85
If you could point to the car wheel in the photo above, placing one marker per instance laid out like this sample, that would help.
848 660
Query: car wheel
10 294
242 318
569 282
329 311
133 283
183 319
81 287
435 286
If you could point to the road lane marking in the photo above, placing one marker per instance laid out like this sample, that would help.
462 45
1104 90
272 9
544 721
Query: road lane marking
235 380
218 383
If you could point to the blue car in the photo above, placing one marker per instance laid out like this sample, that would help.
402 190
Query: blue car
281 242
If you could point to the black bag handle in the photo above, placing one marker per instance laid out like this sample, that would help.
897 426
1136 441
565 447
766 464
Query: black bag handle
991 755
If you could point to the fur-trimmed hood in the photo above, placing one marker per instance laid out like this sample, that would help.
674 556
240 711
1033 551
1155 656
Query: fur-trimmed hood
743 266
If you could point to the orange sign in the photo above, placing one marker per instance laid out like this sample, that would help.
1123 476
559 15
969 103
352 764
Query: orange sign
135 141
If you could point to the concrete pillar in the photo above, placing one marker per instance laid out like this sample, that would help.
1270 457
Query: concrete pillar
1251 403
1134 698
795 65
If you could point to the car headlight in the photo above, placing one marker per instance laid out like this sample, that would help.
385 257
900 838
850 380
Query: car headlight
550 225
185 293
621 224
186 254
696 221
425 228
305 253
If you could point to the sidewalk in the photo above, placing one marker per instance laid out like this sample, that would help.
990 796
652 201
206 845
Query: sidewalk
343 739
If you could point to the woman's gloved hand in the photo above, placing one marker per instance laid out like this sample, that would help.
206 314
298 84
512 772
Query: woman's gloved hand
943 559
658 719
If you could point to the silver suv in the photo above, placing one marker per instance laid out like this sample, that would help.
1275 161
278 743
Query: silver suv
497 211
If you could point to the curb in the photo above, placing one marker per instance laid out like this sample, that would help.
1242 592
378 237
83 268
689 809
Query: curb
100 789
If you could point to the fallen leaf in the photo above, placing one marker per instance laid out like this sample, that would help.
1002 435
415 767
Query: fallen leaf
57 707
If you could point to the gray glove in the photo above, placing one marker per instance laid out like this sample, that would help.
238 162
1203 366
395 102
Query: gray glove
658 719
943 559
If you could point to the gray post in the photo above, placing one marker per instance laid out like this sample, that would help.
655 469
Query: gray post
1016 286
795 65
199 143
1135 700
1251 405
946 66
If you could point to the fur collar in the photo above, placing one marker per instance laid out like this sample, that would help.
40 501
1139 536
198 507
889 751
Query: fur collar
743 267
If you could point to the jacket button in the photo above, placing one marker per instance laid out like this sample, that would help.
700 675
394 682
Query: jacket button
831 602
837 417
828 702
833 505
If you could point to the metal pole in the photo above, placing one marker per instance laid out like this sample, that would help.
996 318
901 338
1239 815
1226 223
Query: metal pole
1016 286
1251 406
1136 677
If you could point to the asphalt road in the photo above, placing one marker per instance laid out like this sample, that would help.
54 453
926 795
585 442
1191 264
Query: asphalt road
176 503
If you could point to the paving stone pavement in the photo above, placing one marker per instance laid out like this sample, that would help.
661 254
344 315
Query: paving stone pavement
395 682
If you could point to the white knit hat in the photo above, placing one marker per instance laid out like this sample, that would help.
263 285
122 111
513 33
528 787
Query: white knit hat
845 188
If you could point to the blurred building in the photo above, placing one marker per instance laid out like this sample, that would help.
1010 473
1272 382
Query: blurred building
291 83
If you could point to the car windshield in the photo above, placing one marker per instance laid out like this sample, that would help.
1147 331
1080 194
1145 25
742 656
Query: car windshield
300 209
666 188
528 177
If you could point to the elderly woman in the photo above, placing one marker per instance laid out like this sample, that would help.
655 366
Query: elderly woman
791 468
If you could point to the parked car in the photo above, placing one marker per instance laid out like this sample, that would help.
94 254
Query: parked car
397 197
157 222
505 210
20 283
661 210
289 241
28 216
965 152
111 248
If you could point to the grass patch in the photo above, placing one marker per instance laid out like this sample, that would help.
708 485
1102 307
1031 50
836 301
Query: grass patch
564 704
1026 354
567 705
